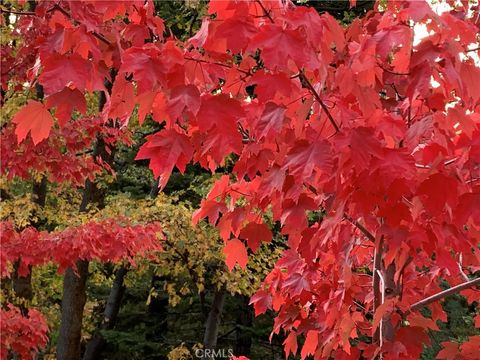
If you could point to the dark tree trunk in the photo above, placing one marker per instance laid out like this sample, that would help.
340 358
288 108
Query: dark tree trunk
243 344
73 301
22 285
97 342
392 290
74 284
213 321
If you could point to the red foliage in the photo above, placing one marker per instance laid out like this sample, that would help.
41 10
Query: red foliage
24 335
106 241
345 125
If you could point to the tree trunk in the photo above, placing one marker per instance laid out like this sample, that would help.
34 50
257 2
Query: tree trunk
391 290
74 294
73 301
22 285
243 342
384 288
97 342
213 321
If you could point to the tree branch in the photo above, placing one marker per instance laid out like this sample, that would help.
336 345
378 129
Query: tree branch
265 11
360 227
314 92
390 71
217 63
8 11
94 33
453 290
378 290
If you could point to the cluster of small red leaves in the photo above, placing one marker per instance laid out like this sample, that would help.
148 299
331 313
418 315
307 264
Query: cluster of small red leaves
112 240
343 121
64 157
58 47
24 335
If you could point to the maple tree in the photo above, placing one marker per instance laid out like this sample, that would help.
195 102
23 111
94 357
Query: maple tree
367 129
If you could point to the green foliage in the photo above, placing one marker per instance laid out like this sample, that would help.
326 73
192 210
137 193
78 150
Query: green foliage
458 328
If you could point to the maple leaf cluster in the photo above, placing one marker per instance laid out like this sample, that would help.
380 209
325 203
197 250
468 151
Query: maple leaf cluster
64 157
24 335
365 128
105 241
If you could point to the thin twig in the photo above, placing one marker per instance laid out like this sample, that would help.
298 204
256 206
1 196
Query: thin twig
216 63
67 14
265 11
360 227
390 71
317 97
460 267
8 11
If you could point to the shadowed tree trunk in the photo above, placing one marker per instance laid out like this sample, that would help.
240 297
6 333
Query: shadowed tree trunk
74 283
243 342
22 285
213 320
97 343
73 301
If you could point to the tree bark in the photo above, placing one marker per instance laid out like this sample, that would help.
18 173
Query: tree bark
444 293
243 344
73 301
214 318
22 285
97 343
391 290
74 285
384 288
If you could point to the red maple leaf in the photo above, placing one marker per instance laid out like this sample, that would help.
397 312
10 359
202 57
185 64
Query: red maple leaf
65 101
166 149
278 45
33 118
255 234
306 156
235 253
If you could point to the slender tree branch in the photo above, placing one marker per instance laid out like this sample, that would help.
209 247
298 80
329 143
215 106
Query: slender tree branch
265 11
438 296
378 290
360 227
474 49
67 14
390 71
317 97
216 63
460 267
8 11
